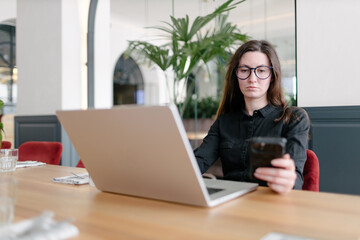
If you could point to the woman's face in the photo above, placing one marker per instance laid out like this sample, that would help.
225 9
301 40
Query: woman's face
253 88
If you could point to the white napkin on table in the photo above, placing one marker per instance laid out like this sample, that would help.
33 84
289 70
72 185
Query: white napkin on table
29 164
75 179
43 227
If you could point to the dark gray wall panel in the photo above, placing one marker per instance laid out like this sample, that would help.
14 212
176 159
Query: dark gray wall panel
335 138
36 128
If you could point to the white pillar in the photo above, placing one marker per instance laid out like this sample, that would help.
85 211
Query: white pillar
50 60
7 10
103 68
48 56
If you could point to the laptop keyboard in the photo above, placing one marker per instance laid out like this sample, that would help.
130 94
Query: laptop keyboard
213 190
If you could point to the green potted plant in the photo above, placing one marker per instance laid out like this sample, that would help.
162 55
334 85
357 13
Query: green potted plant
206 108
8 157
205 114
189 47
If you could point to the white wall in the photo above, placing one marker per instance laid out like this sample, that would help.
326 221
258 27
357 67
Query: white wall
48 56
328 52
39 52
51 36
103 71
123 30
71 62
7 10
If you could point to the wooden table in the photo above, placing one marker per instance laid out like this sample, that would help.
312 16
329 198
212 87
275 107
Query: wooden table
196 135
196 138
100 215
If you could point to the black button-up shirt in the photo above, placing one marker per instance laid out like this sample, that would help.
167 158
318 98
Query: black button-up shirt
229 139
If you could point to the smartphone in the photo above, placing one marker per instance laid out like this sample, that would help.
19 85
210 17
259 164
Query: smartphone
263 150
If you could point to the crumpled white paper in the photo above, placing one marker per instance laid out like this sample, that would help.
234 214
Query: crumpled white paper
23 164
43 227
75 179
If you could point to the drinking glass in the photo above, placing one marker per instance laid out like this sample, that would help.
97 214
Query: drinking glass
8 159
8 193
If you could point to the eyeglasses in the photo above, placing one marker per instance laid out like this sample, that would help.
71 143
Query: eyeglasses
261 72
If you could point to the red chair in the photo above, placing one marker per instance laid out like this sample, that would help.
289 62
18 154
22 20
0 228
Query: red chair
5 145
80 164
311 172
47 152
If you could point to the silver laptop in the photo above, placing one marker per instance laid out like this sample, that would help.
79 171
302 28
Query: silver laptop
144 151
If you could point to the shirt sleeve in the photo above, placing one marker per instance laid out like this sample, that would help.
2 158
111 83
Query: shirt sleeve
208 152
297 134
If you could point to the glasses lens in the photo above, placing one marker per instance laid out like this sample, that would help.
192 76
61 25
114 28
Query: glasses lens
243 72
263 72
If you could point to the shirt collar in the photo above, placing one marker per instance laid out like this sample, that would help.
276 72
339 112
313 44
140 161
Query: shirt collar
265 111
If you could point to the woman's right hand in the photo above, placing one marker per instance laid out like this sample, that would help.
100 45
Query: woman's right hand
280 179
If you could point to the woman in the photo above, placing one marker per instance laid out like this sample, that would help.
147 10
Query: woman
253 105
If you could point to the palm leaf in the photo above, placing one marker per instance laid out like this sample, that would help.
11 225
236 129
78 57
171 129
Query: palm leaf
191 46
157 54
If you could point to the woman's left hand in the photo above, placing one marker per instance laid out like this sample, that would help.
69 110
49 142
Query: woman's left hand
280 179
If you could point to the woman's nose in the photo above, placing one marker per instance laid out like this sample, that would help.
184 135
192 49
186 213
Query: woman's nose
252 77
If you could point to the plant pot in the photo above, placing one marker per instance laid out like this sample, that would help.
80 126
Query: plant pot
203 124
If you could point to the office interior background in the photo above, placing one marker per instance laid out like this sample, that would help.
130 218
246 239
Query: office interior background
316 41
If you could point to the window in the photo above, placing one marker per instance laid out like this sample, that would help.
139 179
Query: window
8 70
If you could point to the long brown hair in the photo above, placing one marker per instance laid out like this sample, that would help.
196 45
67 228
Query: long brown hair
233 99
